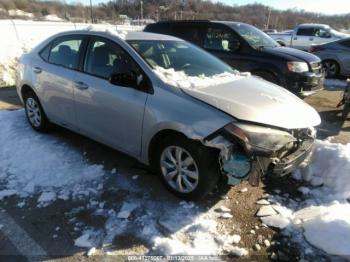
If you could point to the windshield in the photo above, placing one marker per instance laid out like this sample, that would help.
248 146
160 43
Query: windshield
255 38
179 56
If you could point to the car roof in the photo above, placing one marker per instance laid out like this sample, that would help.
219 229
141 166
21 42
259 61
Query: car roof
315 25
201 21
125 35
149 36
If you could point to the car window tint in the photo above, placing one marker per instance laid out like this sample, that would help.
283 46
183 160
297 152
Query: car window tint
218 38
188 33
45 52
105 58
306 31
65 52
321 32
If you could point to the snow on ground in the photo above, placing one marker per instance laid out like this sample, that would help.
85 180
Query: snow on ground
42 167
31 163
323 216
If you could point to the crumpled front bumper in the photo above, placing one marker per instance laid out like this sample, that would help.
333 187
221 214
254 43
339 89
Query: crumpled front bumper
292 161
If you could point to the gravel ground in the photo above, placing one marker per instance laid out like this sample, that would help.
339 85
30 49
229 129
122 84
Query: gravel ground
40 223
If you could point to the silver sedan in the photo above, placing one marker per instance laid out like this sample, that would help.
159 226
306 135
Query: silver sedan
171 105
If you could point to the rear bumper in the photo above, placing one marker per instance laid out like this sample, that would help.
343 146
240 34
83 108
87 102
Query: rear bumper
291 162
305 83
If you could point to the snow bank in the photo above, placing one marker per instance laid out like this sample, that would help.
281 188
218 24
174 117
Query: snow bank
19 36
32 163
181 79
43 166
324 214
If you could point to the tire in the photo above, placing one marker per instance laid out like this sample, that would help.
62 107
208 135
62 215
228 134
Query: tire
204 171
345 112
35 113
331 67
267 76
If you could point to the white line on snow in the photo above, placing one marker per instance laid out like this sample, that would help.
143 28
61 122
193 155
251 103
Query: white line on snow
20 239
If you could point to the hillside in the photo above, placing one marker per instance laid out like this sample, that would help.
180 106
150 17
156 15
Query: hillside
255 14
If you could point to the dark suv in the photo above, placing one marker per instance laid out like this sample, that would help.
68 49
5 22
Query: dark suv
246 48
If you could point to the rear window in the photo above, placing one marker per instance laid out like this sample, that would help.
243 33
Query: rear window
45 52
188 33
65 52
306 31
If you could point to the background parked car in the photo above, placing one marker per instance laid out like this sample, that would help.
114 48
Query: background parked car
247 48
335 57
305 35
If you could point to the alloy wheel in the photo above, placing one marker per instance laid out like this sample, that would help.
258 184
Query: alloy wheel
179 169
33 112
331 68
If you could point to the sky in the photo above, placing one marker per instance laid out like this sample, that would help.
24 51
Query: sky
319 6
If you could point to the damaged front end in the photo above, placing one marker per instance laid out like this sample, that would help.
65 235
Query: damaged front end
248 151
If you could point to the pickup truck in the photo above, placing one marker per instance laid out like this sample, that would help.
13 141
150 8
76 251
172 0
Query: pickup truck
305 35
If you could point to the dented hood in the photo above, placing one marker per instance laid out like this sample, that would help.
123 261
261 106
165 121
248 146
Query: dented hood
256 100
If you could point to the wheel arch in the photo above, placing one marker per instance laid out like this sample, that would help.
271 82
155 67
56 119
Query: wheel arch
157 139
25 89
268 71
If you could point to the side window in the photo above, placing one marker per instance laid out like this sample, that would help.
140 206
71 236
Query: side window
45 52
105 58
305 31
323 33
189 33
218 38
65 52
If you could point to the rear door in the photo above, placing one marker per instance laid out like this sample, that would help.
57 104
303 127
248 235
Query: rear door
109 113
303 38
53 75
216 41
193 33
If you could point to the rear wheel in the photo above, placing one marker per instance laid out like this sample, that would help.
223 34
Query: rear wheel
331 67
35 113
187 168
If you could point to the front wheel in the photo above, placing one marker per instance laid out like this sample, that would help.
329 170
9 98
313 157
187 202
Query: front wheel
35 113
187 168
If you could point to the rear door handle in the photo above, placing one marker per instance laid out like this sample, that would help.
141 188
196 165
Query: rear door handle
81 85
37 70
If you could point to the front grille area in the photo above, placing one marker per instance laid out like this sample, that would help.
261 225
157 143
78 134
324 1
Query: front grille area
316 67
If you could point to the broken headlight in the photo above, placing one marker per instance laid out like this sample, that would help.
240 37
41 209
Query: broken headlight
259 139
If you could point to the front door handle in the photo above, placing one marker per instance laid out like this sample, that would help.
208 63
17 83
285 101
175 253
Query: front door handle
81 85
295 38
37 70
311 38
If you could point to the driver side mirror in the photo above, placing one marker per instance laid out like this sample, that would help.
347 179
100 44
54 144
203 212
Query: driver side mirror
234 45
127 79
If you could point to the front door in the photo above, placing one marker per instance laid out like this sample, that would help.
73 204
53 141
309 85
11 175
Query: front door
111 114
